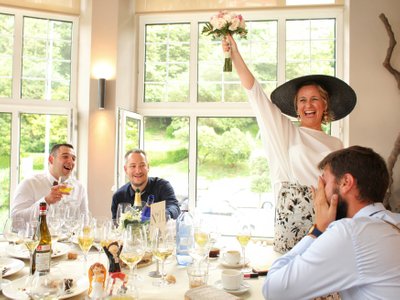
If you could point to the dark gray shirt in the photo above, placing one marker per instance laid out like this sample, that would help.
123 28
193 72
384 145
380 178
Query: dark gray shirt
160 188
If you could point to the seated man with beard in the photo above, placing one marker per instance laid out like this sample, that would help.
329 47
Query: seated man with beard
353 246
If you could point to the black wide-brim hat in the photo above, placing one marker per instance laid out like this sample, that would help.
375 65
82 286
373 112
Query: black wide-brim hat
342 97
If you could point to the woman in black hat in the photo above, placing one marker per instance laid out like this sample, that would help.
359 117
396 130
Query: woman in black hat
294 151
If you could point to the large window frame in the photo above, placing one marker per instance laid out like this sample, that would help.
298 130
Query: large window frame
194 109
16 106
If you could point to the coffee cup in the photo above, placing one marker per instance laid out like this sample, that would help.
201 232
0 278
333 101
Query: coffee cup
231 279
231 257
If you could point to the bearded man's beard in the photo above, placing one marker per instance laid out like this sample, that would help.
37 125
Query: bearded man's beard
342 207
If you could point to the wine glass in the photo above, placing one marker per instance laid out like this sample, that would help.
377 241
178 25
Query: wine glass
132 252
122 207
85 237
46 286
71 218
162 245
11 228
31 241
243 236
55 221
100 233
66 187
199 246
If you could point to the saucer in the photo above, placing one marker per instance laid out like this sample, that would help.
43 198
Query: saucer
3 283
238 265
244 287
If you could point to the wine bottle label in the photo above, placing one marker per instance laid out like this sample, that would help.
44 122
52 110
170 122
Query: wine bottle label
42 260
43 248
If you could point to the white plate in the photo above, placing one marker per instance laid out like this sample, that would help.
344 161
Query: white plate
13 265
239 265
14 290
3 283
20 251
244 287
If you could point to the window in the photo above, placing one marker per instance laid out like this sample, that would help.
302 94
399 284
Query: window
167 63
6 42
46 59
209 117
5 166
129 137
37 56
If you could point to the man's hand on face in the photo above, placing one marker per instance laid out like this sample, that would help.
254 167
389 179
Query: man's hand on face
325 211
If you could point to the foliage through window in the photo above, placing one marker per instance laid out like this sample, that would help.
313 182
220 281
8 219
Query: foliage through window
37 52
226 165
46 60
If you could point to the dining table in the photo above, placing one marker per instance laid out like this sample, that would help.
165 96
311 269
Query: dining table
259 255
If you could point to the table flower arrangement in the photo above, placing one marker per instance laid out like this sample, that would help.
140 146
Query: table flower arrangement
132 216
221 25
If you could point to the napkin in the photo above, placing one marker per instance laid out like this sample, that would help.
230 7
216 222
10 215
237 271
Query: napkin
207 292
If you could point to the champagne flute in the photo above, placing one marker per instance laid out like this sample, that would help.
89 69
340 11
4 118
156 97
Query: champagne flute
162 247
85 237
243 237
31 241
132 252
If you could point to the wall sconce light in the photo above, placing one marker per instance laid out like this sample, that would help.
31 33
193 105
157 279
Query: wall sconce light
101 92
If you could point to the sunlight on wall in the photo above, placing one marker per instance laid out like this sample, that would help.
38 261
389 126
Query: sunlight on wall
149 6
64 6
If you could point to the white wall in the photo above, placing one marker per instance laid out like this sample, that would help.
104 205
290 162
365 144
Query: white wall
375 122
106 30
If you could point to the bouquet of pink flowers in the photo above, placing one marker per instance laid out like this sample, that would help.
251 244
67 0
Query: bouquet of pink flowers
221 25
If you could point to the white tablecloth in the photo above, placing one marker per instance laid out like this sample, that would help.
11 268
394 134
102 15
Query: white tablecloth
258 255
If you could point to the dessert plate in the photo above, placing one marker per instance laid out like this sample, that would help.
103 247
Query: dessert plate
16 289
10 265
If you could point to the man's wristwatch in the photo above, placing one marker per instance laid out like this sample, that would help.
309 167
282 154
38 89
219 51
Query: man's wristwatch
314 231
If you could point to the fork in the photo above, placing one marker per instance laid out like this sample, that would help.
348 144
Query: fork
4 271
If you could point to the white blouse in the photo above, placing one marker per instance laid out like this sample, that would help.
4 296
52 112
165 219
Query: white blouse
293 152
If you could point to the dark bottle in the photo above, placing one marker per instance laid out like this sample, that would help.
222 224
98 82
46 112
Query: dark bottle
42 254
146 209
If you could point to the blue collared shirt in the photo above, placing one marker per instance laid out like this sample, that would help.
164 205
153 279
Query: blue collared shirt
357 257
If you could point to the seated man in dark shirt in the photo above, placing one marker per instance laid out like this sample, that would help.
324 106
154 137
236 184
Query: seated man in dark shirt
137 168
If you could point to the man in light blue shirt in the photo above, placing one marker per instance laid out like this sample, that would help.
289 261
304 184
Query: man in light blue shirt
353 246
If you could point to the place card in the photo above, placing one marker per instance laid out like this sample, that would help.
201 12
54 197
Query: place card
157 217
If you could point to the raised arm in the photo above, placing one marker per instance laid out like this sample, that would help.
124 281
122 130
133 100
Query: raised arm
246 77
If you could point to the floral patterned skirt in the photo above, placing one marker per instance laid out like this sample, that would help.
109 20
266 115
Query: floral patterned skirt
294 215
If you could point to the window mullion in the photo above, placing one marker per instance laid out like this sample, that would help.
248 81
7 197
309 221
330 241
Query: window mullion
17 56
194 40
281 65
